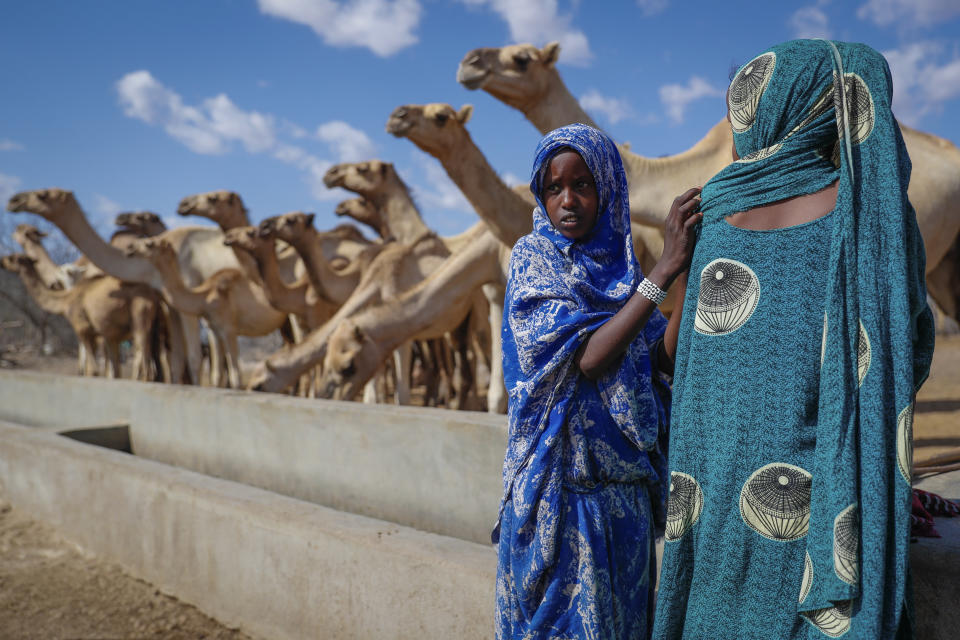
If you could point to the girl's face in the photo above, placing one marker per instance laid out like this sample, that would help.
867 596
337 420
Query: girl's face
570 195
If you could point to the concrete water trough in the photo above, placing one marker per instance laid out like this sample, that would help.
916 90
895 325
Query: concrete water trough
294 518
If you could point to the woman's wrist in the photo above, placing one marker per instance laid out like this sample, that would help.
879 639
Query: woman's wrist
663 275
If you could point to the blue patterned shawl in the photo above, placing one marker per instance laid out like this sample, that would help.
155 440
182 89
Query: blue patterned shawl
786 108
559 291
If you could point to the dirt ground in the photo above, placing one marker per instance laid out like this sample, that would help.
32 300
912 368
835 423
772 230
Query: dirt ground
51 589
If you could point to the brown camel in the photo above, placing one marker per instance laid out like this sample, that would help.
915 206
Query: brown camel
361 342
200 252
525 77
364 212
97 307
232 303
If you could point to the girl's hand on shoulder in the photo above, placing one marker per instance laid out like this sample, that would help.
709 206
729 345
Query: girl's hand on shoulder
680 235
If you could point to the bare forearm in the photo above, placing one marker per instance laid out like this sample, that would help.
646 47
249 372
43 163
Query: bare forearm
608 343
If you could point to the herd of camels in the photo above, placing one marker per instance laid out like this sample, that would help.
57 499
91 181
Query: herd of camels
354 311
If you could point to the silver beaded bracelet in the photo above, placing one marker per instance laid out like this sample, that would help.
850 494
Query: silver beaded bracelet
652 292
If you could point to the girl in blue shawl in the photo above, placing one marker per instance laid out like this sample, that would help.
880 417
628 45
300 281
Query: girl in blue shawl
583 349
801 350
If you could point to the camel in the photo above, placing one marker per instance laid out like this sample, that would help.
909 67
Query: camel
299 299
525 77
364 212
200 251
53 275
396 268
233 304
360 343
101 307
379 183
144 224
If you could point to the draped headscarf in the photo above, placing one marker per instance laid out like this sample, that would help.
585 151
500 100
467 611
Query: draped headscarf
559 291
804 114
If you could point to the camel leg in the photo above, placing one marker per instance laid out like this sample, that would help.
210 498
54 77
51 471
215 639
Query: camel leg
82 356
143 319
401 358
191 339
90 346
178 369
497 392
462 376
370 391
233 361
111 358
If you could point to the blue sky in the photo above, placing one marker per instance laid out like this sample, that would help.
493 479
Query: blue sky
135 104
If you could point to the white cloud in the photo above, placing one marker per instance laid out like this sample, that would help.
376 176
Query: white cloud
217 123
652 7
613 109
208 129
921 85
9 145
383 26
512 180
8 187
921 13
441 193
350 145
676 97
810 22
105 207
538 22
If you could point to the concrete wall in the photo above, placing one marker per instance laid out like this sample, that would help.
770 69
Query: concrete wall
275 566
431 469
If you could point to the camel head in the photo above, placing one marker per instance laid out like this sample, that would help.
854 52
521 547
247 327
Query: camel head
247 238
436 126
17 263
364 178
27 234
352 359
223 207
156 250
47 203
365 212
289 227
513 74
140 223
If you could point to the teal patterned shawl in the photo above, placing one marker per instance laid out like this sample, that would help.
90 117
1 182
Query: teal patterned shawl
786 108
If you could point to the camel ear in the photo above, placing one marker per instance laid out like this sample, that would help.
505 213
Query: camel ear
214 198
310 217
550 53
39 234
463 116
357 333
232 198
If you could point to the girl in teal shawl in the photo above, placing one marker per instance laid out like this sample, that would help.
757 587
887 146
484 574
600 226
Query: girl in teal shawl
801 351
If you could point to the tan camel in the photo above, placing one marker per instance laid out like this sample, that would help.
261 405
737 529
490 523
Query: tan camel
525 77
299 299
144 224
232 303
361 342
200 252
97 307
397 268
379 183
364 212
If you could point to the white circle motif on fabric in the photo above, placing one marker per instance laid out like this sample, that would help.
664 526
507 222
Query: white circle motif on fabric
863 354
846 545
746 89
807 580
725 303
905 443
774 509
833 621
683 506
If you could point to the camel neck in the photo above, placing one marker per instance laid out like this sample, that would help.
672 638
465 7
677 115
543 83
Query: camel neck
50 300
178 294
506 213
329 285
399 213
48 270
556 107
72 221
289 299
